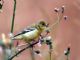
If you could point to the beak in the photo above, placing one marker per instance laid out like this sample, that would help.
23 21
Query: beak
47 25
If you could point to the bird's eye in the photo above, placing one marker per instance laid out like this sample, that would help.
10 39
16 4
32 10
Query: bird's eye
43 24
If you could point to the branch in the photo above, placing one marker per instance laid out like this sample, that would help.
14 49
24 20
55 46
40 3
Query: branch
22 50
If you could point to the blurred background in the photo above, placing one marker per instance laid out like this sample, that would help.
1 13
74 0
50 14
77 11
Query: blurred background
65 34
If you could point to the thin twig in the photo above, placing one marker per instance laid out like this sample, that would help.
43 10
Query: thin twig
57 21
12 25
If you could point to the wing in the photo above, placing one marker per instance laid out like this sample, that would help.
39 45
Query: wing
25 31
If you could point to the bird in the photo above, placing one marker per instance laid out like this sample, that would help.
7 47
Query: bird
31 33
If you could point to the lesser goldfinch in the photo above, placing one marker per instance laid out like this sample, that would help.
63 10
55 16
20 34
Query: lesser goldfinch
31 33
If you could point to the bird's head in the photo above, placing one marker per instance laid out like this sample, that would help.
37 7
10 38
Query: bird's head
42 25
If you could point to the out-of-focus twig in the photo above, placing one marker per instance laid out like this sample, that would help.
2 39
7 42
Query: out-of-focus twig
7 49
